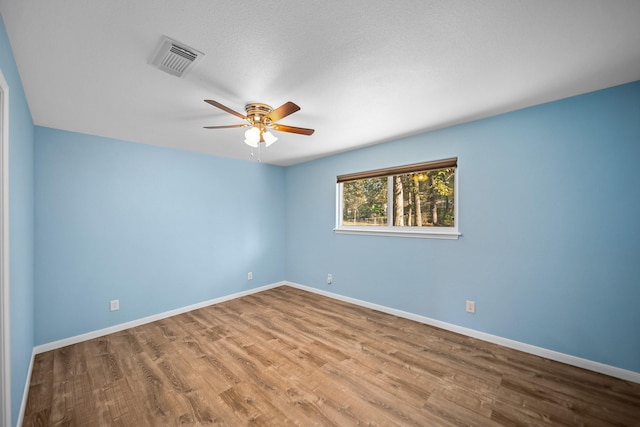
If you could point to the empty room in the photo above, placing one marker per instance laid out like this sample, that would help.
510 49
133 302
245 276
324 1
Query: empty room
319 213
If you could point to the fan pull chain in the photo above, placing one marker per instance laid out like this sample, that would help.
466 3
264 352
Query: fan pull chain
259 154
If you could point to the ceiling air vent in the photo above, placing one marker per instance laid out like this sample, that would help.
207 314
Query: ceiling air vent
175 58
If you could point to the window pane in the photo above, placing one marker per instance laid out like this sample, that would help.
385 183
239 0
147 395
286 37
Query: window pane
364 202
424 199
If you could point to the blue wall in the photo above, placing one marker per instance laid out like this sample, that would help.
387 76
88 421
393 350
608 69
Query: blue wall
549 203
156 228
549 208
21 224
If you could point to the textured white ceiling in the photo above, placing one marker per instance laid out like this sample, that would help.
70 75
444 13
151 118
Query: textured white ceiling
362 71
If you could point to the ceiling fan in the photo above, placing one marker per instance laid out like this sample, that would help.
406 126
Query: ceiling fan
260 118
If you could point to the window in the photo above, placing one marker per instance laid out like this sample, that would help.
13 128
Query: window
417 200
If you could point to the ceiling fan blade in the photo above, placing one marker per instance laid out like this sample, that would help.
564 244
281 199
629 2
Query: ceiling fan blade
225 108
240 125
282 111
292 129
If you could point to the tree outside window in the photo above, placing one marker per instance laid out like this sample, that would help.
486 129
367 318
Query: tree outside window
417 196
424 199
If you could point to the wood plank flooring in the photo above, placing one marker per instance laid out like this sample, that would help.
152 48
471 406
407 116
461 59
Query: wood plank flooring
288 357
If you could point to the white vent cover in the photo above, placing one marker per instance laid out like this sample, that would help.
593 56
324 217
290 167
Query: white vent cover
175 58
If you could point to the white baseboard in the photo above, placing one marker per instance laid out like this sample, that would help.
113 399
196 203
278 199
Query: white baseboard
122 326
516 345
116 328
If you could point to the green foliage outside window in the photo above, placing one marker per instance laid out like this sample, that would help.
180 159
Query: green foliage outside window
416 199
365 202
424 199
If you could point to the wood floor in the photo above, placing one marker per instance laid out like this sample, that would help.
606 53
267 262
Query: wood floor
288 357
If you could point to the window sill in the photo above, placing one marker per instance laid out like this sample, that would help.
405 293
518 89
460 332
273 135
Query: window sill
448 234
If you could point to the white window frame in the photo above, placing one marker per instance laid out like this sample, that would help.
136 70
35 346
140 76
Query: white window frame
448 233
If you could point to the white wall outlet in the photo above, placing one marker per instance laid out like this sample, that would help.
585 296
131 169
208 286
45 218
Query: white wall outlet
471 306
249 276
114 304
329 278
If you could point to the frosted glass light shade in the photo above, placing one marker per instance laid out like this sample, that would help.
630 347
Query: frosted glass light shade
269 138
252 137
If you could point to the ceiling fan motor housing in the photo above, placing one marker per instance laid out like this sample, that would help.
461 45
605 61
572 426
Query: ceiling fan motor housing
256 113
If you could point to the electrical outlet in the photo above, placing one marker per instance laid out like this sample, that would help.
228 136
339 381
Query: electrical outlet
329 278
114 304
249 276
471 306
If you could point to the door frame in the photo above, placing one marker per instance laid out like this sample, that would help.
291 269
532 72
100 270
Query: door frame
5 301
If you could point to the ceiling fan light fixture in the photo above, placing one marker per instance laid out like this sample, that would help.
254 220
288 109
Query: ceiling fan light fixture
251 143
269 138
252 137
